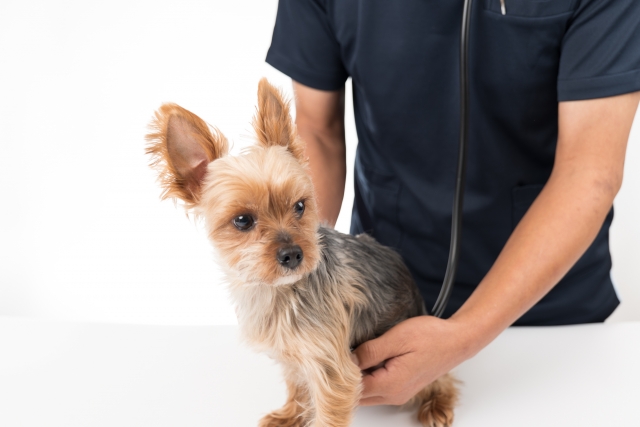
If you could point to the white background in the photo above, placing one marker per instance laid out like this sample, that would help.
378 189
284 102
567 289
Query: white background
83 235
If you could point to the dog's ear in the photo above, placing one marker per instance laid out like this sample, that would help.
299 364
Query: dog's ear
272 122
181 146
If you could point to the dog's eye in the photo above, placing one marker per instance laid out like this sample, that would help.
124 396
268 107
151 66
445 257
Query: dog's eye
243 222
298 208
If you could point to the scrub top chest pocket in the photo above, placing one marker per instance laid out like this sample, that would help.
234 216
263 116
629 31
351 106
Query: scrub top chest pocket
516 60
529 8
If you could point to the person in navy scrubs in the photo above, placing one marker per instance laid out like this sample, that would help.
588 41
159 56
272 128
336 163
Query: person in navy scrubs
553 93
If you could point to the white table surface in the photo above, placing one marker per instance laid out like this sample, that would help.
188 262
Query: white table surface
83 374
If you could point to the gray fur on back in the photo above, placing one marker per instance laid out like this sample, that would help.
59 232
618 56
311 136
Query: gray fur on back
376 271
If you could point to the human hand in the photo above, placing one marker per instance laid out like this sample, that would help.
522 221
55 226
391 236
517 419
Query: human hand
413 354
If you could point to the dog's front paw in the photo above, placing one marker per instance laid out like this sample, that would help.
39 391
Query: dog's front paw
282 418
436 414
437 401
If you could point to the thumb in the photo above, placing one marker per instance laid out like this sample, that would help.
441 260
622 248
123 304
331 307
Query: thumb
372 353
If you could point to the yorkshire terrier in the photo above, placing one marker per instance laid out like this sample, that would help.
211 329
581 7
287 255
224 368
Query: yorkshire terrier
305 294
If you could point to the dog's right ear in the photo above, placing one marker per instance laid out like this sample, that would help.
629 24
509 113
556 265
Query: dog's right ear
181 146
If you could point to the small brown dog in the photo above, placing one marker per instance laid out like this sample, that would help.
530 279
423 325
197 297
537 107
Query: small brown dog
304 294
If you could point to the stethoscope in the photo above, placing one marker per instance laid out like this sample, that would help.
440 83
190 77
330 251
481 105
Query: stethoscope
456 217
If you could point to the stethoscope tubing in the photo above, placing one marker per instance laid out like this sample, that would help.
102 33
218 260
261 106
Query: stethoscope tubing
456 218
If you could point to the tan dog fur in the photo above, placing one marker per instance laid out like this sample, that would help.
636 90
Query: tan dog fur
308 317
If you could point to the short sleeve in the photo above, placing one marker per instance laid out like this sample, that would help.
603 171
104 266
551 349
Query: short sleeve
600 53
304 45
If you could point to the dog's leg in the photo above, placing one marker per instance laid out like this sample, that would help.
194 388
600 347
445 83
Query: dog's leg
437 401
294 413
335 387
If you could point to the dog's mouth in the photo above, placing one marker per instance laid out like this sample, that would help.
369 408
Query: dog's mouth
287 280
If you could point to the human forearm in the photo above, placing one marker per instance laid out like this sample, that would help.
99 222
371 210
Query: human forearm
562 222
556 231
320 123
328 168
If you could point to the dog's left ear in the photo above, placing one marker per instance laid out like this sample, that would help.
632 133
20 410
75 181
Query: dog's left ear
272 122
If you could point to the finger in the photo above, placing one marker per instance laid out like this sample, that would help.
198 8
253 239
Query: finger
376 383
398 400
374 352
354 359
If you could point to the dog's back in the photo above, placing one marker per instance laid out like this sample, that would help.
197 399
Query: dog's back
375 272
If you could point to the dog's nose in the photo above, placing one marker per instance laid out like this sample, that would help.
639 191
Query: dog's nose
289 256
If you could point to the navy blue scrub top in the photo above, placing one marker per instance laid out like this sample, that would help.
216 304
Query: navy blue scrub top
402 57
